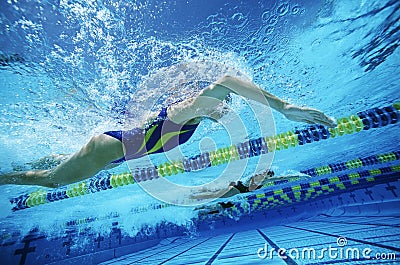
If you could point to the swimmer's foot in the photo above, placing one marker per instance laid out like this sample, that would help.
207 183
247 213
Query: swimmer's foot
308 115
32 177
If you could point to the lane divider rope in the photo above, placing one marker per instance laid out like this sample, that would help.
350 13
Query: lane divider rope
302 192
365 120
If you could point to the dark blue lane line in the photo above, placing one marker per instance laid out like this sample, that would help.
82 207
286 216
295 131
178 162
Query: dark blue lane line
157 252
348 238
354 223
355 216
288 259
210 261
185 251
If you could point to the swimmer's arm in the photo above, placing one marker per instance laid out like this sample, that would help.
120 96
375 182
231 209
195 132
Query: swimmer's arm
223 193
231 192
252 91
288 177
229 84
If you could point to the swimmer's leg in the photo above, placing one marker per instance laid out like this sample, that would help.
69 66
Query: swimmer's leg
43 163
48 162
93 157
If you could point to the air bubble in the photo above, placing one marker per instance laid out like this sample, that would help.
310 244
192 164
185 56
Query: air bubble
269 30
283 9
266 40
273 48
285 41
316 43
239 19
295 10
265 16
273 20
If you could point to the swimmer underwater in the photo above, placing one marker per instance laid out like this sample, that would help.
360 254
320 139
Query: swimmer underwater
173 126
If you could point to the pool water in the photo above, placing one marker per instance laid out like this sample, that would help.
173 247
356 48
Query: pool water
73 69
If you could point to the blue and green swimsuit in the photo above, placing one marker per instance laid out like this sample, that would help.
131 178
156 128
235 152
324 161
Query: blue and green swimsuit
160 136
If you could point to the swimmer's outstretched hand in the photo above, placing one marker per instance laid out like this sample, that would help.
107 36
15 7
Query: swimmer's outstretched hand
308 115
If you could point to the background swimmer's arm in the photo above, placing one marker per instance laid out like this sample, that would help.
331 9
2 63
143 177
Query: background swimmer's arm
223 193
232 192
289 177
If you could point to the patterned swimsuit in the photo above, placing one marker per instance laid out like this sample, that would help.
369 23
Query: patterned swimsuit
160 136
